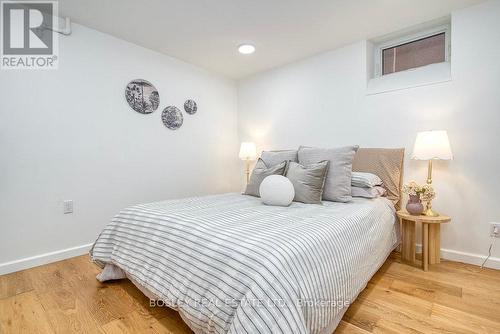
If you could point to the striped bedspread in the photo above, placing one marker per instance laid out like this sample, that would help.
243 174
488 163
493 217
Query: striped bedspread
230 264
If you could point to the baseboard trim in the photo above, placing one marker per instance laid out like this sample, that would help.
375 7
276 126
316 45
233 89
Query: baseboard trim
470 258
38 260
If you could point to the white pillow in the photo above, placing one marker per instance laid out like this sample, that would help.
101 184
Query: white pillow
276 190
365 180
373 192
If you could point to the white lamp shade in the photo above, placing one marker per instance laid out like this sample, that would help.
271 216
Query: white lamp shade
248 151
432 145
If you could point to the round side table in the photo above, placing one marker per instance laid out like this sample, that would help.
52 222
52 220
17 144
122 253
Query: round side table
431 237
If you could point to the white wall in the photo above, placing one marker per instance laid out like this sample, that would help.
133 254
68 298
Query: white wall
322 101
69 134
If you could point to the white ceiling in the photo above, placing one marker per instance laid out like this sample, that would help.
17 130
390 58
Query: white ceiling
207 32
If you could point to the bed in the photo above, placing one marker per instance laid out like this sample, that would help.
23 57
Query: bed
229 264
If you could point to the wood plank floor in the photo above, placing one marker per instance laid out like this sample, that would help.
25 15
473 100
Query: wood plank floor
65 297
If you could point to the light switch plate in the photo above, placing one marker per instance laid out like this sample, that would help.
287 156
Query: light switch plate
68 206
492 230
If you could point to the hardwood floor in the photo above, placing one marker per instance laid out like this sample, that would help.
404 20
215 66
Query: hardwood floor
65 297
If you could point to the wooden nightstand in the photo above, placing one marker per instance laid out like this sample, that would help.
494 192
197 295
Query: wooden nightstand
431 237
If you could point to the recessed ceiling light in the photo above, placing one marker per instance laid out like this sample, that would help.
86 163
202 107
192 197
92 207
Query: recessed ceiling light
246 49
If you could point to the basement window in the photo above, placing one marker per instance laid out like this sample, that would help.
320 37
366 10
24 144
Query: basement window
424 51
418 56
408 52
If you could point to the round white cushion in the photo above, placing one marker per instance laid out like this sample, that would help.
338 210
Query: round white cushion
276 190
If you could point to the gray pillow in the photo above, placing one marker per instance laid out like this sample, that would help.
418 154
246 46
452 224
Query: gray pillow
365 180
308 181
338 178
372 192
259 173
272 158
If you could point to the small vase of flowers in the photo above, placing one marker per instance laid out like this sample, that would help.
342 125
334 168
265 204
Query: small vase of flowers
417 194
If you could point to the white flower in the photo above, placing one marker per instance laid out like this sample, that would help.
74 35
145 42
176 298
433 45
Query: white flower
425 192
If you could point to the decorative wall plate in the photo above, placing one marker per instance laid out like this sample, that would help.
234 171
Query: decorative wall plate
190 107
172 117
142 96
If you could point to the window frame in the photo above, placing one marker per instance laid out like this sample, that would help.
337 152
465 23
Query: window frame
408 38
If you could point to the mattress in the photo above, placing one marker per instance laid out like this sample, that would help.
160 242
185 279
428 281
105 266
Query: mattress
229 264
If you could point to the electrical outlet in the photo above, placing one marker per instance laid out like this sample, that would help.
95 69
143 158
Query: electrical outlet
495 230
68 206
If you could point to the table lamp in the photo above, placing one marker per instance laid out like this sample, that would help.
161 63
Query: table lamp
248 152
431 145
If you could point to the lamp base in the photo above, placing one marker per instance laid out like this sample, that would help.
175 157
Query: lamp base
430 213
428 210
247 170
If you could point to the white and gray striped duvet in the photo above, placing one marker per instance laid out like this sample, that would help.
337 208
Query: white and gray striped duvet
229 264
